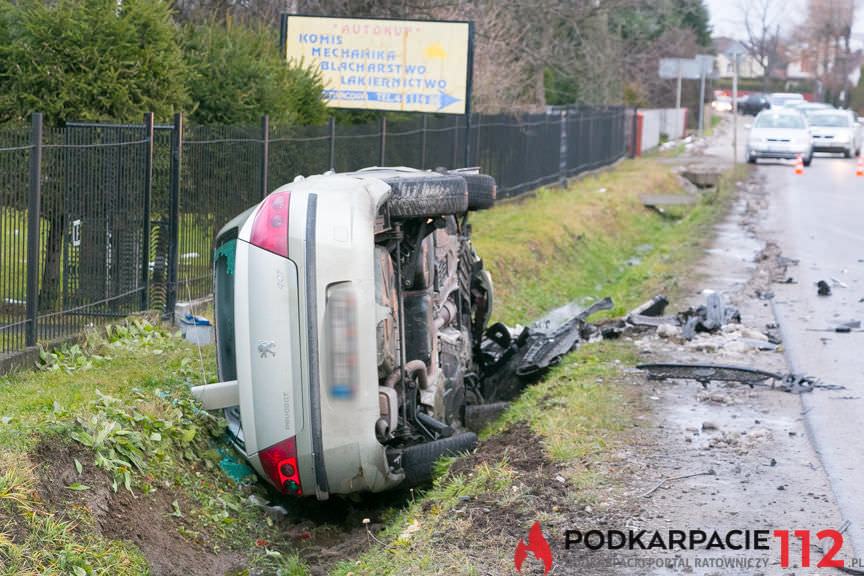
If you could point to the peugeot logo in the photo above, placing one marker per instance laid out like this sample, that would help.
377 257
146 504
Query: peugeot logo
265 348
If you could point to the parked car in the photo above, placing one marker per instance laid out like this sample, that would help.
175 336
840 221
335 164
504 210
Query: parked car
753 104
779 134
782 99
349 310
834 131
722 104
810 107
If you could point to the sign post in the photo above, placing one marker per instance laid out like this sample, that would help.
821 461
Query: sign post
706 64
735 109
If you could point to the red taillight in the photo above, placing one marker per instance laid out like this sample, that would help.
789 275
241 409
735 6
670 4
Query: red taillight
270 227
280 464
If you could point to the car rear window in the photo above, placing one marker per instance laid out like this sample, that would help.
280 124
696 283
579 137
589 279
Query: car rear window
830 120
790 121
223 263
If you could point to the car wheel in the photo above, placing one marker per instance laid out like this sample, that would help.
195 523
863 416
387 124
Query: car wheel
481 190
417 460
808 159
415 196
847 153
751 159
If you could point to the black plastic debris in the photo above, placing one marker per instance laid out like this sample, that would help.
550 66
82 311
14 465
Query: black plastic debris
509 361
707 373
822 288
654 307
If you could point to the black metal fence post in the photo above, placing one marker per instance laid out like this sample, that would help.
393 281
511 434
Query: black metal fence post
332 161
563 156
148 196
265 153
383 145
634 132
174 214
32 308
423 142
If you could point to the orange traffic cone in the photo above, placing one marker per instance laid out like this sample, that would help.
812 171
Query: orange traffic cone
859 168
799 165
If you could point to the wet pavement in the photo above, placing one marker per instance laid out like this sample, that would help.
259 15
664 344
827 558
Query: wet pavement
816 218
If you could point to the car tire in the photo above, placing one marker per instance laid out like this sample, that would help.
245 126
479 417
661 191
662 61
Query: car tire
808 160
847 153
416 196
418 460
751 159
481 191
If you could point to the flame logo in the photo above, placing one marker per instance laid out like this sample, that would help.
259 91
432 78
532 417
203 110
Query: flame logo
536 544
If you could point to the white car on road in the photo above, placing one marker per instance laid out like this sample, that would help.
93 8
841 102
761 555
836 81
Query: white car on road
780 134
834 131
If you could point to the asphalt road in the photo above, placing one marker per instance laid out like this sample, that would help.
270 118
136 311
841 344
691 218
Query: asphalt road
817 218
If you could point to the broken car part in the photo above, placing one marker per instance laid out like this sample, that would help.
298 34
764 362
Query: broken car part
706 373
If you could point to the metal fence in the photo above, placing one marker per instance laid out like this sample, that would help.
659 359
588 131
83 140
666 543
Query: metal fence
101 220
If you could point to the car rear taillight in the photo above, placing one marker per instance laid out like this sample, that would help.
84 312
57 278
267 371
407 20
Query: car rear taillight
270 226
280 464
342 339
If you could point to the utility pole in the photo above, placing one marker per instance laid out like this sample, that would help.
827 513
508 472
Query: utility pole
735 110
701 94
678 91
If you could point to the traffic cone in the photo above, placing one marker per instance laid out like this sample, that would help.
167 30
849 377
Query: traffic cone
859 168
799 165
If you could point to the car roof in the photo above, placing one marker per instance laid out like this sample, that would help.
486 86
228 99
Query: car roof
780 112
830 112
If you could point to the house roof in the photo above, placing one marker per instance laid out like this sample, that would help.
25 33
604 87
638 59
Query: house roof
725 45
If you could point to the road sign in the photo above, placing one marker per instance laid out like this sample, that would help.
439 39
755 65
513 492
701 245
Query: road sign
404 65
686 68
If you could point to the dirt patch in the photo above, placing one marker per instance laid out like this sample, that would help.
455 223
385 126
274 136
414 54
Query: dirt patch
325 533
518 445
143 520
147 522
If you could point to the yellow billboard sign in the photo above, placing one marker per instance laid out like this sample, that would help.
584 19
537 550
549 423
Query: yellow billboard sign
404 65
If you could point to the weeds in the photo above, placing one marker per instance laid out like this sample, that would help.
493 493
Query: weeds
34 541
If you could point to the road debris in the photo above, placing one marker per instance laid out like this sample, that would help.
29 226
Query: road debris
648 494
843 328
710 317
823 289
654 307
706 373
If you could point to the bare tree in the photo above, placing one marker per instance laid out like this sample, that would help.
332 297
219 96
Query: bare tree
763 34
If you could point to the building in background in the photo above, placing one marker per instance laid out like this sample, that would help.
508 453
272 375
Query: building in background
726 47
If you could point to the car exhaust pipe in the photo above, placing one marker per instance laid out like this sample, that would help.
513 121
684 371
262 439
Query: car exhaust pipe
413 369
217 396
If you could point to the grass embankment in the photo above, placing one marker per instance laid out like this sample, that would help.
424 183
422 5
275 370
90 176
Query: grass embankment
103 446
591 240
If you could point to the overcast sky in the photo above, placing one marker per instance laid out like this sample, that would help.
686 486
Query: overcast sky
727 17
